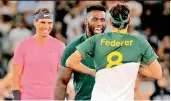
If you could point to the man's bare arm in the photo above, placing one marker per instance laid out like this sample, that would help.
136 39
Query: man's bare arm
74 62
153 70
17 72
63 77
6 81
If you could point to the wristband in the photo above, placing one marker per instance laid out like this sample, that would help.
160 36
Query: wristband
16 94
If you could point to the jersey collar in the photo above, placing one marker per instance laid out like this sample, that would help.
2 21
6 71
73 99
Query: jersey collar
120 31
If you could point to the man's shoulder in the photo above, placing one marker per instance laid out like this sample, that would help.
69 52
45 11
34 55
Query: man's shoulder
56 41
69 49
138 38
26 40
98 36
104 34
75 43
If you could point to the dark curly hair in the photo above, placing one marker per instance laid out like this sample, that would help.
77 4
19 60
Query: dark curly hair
96 7
120 15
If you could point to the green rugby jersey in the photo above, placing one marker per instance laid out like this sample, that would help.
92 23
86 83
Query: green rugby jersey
112 49
83 83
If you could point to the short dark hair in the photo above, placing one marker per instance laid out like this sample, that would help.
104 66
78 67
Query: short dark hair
96 7
42 10
117 10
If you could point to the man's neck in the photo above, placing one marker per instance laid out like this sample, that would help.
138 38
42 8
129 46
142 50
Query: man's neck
41 39
122 31
88 33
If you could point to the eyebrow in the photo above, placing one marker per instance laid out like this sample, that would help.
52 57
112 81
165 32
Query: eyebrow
98 17
42 22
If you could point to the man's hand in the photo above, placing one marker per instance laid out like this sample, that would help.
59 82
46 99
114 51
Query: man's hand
153 70
93 72
74 62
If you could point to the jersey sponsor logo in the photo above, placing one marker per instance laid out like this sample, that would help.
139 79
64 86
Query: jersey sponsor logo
106 42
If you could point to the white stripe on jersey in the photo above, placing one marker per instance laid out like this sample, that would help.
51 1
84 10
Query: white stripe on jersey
116 83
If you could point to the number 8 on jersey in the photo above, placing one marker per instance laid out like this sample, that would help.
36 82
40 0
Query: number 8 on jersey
118 61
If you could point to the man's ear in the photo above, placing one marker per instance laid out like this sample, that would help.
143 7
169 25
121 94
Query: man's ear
110 21
129 21
34 22
86 21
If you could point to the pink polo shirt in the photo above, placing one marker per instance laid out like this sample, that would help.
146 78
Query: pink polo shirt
40 64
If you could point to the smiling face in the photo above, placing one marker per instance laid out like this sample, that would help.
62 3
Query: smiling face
43 27
96 22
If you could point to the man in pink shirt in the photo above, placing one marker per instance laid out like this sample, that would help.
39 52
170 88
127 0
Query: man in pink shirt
36 61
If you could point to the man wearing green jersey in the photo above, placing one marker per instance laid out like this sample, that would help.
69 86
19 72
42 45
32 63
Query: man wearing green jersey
95 22
117 56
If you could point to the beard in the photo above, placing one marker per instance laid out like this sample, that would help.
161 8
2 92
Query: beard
92 29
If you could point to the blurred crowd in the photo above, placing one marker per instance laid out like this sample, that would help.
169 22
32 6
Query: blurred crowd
150 19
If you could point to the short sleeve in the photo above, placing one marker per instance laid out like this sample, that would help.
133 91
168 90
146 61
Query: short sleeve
18 58
86 48
148 54
66 53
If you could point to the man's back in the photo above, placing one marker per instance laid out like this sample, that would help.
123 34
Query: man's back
117 57
112 49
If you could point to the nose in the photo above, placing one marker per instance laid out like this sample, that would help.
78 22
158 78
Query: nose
46 25
99 22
